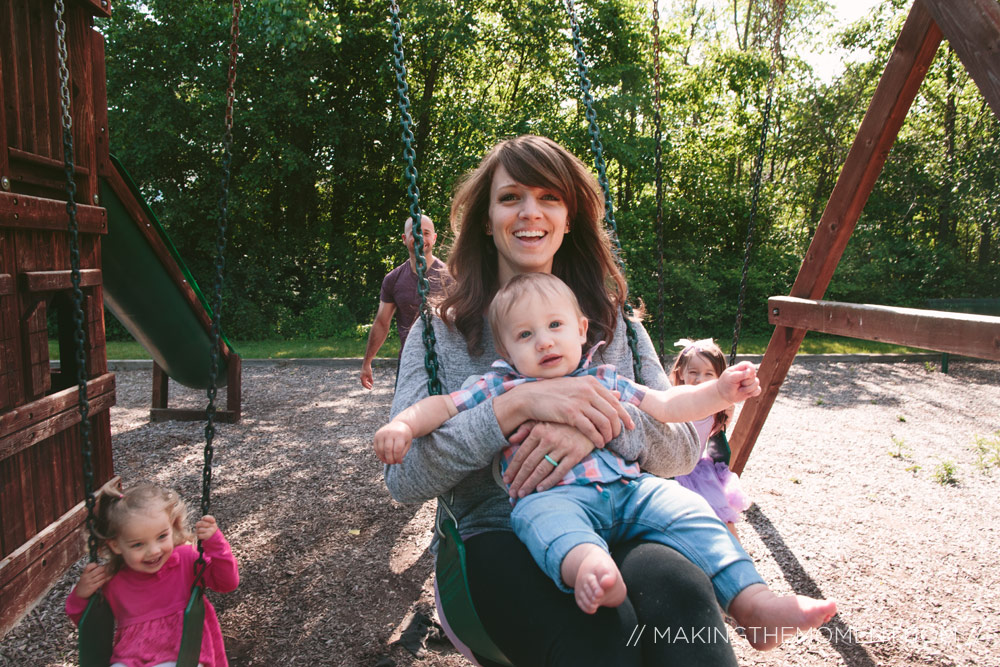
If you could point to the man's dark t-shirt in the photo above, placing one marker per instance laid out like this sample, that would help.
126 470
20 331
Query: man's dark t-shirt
399 287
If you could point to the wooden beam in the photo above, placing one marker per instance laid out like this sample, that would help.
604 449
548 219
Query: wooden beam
911 57
956 333
81 62
47 162
915 49
191 415
19 440
972 27
161 411
27 572
100 82
97 7
22 211
52 281
161 387
31 414
5 89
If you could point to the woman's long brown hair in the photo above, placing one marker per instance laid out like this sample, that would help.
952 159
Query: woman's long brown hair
584 261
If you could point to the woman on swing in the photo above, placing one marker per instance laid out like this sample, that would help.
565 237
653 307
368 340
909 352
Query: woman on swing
531 206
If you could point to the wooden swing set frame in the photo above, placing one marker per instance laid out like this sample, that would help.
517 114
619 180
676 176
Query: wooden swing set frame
972 27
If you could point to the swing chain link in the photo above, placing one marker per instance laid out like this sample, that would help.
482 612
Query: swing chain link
220 264
757 177
597 148
79 336
434 386
658 169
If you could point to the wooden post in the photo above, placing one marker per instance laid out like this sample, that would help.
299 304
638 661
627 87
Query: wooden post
161 387
972 27
161 411
914 51
234 387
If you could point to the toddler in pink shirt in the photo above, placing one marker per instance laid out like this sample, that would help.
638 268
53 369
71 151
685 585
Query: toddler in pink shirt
149 574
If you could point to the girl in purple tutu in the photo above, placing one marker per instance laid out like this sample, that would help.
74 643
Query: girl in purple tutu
701 361
150 570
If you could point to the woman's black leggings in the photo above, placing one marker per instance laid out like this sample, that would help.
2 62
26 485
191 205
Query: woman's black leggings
670 618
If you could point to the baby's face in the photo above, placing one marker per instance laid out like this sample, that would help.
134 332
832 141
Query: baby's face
544 338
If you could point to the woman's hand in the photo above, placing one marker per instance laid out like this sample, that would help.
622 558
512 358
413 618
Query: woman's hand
580 402
205 528
94 576
530 470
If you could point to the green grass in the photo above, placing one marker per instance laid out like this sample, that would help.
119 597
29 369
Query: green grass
823 344
987 450
945 473
355 347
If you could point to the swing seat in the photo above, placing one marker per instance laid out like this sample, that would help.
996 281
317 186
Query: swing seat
96 635
456 600
194 626
717 447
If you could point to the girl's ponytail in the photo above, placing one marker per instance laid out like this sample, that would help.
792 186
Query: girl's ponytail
107 497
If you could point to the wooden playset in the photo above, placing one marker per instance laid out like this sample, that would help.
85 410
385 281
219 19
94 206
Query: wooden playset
121 249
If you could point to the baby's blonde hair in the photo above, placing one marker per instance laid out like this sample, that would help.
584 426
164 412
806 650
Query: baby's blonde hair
520 287
114 509
707 349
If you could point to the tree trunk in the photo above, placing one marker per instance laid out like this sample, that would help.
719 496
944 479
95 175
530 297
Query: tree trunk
985 242
946 217
423 128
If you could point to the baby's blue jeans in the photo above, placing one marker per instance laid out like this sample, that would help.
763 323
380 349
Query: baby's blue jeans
651 508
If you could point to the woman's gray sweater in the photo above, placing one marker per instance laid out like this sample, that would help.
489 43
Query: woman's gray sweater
455 461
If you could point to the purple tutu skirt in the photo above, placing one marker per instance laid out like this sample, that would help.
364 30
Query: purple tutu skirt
719 486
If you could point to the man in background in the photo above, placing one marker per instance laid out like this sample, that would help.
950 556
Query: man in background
399 295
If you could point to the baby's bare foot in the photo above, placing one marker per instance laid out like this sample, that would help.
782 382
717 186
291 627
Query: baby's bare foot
597 581
770 619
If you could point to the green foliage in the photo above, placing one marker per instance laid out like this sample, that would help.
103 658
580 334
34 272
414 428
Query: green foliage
325 319
944 473
318 197
900 450
987 450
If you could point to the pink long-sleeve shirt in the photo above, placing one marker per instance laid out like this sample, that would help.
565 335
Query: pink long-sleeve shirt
149 608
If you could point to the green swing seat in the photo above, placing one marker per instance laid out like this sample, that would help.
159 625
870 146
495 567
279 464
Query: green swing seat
194 628
456 599
96 634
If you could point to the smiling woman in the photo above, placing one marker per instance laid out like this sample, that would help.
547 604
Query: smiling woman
532 207
527 225
563 197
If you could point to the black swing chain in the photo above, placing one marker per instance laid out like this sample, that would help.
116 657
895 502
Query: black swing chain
658 168
220 263
602 178
74 258
434 386
757 177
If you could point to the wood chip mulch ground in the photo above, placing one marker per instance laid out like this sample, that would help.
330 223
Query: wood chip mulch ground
877 484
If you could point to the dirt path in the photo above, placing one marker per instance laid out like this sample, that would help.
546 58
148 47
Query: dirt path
846 480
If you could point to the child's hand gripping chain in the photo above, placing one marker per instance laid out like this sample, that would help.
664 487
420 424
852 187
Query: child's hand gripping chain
94 576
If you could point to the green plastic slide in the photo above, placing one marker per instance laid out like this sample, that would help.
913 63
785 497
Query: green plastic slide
162 315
